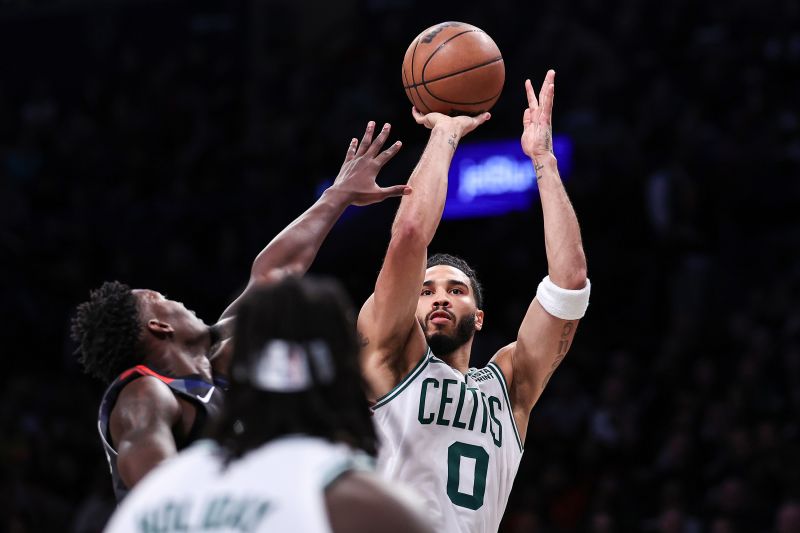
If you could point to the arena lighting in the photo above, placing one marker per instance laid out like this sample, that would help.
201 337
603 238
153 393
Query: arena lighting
495 177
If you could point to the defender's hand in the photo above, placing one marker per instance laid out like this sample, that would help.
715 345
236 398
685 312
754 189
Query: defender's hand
361 165
537 134
463 124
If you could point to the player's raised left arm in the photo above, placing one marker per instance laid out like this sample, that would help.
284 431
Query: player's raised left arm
293 250
549 325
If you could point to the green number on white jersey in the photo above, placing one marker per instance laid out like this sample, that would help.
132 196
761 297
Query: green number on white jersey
455 452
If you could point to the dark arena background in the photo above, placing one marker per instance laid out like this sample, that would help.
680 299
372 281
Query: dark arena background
164 143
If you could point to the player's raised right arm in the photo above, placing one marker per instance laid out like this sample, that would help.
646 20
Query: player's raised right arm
387 319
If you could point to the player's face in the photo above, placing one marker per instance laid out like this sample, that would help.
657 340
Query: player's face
184 321
446 304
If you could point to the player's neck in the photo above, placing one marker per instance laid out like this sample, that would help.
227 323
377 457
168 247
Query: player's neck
181 359
459 359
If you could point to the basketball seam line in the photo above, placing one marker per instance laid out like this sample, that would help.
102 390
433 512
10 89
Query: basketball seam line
414 79
424 81
441 45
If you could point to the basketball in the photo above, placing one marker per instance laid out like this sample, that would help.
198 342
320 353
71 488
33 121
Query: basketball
453 68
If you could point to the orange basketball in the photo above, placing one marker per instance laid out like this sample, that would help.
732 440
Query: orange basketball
453 68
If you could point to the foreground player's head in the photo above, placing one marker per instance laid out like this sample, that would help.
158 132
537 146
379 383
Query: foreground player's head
295 369
118 327
450 302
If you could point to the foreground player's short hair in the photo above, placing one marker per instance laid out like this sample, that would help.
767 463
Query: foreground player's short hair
295 369
108 329
463 266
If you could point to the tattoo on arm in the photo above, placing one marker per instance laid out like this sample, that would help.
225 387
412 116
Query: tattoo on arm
536 168
548 141
453 141
563 346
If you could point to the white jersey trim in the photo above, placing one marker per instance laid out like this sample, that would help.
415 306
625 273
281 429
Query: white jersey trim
405 382
496 369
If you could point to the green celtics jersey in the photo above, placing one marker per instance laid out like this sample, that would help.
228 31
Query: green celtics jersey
453 439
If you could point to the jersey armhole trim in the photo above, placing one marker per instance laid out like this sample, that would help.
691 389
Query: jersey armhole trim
105 440
405 382
504 386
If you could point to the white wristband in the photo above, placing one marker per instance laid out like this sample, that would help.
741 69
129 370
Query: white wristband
563 303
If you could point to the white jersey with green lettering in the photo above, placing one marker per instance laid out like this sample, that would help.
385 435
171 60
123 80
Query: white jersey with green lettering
277 487
453 439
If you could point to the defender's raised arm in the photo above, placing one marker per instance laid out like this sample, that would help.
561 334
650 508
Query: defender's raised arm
293 250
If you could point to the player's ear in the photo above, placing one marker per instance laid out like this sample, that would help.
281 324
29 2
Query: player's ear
159 329
478 320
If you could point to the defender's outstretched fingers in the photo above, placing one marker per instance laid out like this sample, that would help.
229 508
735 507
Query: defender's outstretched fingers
351 150
384 157
377 144
366 140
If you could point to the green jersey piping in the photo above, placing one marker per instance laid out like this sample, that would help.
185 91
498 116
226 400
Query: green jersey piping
502 379
405 382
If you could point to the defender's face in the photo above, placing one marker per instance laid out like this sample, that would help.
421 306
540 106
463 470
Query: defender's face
155 305
445 299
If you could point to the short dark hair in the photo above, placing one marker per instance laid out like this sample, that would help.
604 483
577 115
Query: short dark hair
457 262
300 311
108 330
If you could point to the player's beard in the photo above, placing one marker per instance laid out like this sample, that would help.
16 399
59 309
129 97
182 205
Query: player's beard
442 344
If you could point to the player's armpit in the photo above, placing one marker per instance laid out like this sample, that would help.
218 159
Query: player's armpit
141 426
359 503
386 361
528 364
382 333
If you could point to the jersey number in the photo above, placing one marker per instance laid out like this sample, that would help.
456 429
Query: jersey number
455 452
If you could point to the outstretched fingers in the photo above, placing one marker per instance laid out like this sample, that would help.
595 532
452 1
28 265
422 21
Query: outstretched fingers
377 144
533 104
548 80
351 150
547 108
546 96
384 157
366 140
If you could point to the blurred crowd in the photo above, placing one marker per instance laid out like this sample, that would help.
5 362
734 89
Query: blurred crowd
163 143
